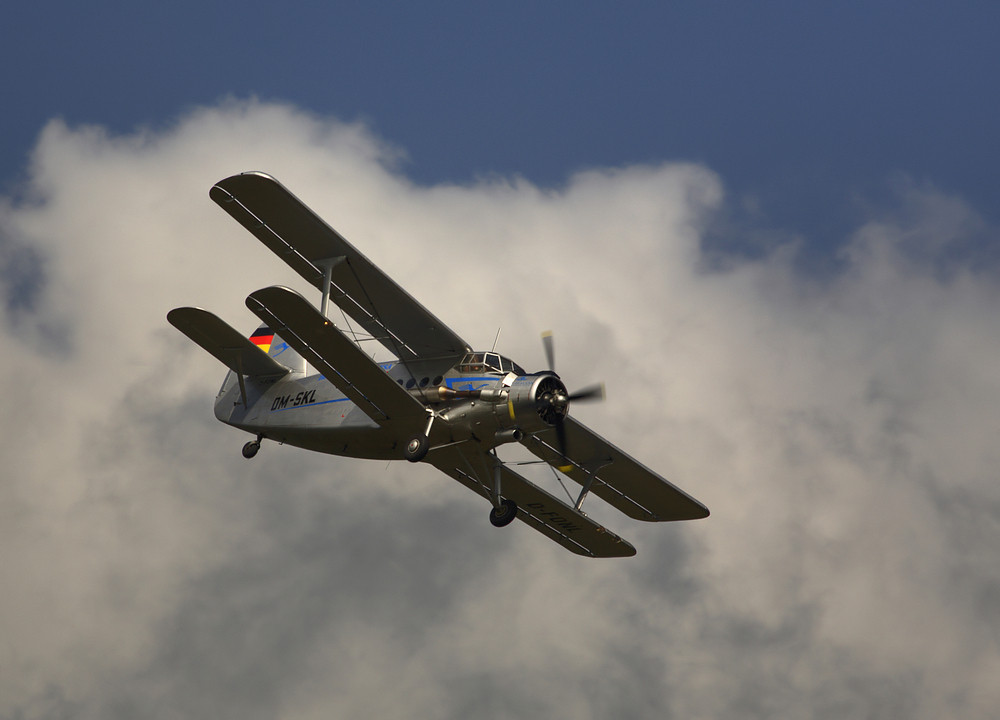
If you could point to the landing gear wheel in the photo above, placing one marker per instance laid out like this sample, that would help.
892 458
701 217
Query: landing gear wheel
416 448
505 516
251 448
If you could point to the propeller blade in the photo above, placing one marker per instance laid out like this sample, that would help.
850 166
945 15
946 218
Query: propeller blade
550 353
593 392
561 436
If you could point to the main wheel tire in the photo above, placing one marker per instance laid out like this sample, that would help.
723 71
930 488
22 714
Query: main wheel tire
504 517
416 448
250 449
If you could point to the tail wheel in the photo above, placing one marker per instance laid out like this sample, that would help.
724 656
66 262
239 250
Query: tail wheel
251 448
505 514
416 448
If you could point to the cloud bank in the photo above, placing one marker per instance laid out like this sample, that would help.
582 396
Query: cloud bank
841 429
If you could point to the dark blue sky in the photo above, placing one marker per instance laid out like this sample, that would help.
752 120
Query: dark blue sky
803 106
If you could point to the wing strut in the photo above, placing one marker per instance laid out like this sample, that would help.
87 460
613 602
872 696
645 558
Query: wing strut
327 265
243 384
497 473
597 466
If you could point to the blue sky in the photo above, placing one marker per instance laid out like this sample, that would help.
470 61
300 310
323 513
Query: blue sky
804 109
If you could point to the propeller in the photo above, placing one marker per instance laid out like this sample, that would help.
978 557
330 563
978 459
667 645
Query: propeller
550 353
558 399
591 392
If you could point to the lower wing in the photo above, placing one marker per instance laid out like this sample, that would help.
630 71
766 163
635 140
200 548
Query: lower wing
613 475
576 532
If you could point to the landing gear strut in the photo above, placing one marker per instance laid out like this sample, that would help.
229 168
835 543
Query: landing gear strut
504 509
418 445
251 448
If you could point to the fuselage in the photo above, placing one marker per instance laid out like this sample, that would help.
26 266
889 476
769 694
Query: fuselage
485 397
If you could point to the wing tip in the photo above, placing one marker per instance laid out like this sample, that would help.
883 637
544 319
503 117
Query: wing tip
698 512
222 191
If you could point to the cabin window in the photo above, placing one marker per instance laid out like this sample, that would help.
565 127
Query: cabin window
507 365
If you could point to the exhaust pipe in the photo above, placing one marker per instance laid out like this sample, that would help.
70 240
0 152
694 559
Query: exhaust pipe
509 436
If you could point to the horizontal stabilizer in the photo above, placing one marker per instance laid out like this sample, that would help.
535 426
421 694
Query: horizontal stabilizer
541 510
224 342
342 362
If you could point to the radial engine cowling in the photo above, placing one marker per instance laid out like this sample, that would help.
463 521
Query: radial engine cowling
534 402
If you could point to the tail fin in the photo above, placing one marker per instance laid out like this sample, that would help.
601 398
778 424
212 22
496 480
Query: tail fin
277 349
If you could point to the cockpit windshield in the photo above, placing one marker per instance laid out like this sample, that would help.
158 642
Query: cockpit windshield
489 363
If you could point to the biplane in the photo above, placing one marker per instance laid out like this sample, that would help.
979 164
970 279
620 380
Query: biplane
303 380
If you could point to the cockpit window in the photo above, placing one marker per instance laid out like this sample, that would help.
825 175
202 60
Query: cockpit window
488 363
472 363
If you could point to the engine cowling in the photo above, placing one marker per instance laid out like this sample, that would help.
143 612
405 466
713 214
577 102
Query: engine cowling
534 402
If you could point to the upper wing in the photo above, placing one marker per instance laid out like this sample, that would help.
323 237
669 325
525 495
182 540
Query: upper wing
620 479
341 361
573 530
225 343
299 237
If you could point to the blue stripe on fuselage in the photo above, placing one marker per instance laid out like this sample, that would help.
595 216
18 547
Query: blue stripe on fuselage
466 383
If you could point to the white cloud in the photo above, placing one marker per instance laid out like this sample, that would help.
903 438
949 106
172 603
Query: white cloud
841 430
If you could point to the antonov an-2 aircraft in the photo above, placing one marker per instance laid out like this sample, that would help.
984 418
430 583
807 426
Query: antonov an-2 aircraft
303 381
